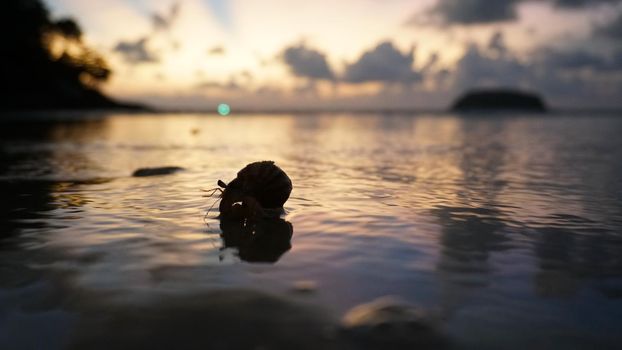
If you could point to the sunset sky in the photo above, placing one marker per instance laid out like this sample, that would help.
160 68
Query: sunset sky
358 54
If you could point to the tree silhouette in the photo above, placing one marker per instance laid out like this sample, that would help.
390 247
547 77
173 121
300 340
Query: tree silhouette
44 63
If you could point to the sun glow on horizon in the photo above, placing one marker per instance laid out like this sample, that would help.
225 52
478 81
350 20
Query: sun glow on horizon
194 52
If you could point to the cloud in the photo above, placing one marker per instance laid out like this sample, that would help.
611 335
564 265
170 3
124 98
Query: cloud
216 50
307 63
573 60
231 85
136 52
475 11
578 76
583 3
580 61
431 63
384 63
493 65
497 44
477 68
611 30
571 76
307 89
165 21
246 74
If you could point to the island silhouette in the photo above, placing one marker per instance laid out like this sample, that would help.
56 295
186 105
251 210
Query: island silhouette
499 100
44 64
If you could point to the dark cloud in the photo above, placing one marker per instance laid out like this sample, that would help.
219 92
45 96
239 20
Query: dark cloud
611 30
473 12
159 22
165 21
307 63
497 44
580 60
583 3
384 63
571 76
573 60
136 52
578 76
307 89
477 68
431 63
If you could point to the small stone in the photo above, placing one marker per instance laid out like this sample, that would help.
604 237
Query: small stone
165 170
304 286
390 322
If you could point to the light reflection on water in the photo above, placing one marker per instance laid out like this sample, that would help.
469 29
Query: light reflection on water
510 227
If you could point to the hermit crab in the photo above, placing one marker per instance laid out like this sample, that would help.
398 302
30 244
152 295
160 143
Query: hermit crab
259 191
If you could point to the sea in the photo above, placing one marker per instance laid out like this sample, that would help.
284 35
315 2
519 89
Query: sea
403 230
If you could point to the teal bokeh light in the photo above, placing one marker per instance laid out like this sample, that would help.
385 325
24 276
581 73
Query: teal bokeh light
224 109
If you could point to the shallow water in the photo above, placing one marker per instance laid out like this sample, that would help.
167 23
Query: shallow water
507 229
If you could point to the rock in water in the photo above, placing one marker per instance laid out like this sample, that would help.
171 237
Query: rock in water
499 99
165 170
391 323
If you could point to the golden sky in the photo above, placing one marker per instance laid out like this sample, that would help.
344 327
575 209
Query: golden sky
362 54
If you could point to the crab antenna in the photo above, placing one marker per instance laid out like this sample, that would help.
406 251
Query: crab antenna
208 210
213 191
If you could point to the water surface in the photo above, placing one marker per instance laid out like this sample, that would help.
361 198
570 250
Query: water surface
506 228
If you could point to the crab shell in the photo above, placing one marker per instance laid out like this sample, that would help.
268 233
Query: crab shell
260 189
